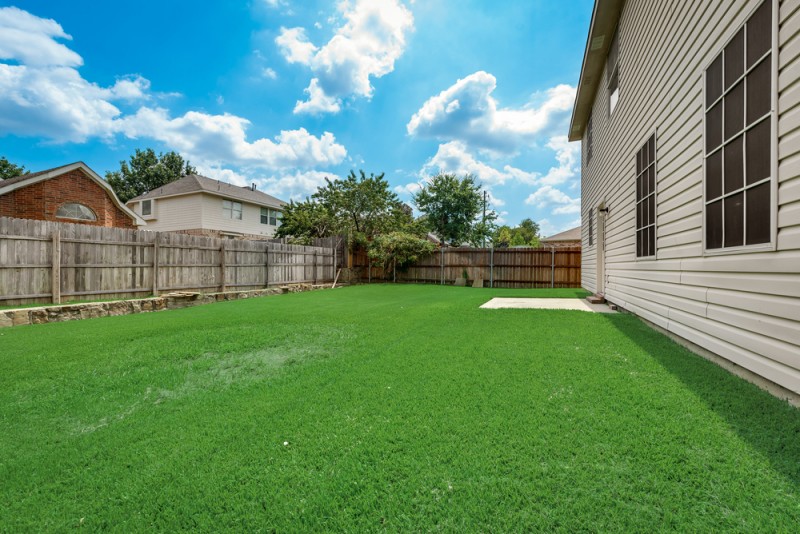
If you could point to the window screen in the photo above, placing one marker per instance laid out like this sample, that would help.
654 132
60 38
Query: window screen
646 199
232 210
738 137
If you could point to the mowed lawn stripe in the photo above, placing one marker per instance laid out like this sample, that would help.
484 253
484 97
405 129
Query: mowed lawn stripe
384 407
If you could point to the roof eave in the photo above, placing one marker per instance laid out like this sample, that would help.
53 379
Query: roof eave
280 204
605 17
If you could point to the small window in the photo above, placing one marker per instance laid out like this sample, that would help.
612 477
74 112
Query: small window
646 199
589 140
270 217
738 137
591 228
73 210
232 210
147 207
612 74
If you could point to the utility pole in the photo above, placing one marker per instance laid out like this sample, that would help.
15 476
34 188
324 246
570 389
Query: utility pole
484 219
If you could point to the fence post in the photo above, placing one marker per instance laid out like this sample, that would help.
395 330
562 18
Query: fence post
335 246
155 263
442 266
552 267
491 266
56 272
266 266
222 266
315 267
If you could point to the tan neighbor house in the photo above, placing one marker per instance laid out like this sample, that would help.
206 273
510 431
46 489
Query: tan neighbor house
689 118
202 206
567 238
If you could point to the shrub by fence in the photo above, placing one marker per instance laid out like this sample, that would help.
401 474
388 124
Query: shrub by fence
44 261
502 267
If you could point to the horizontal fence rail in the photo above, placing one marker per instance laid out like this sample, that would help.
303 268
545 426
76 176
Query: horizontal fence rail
49 261
501 267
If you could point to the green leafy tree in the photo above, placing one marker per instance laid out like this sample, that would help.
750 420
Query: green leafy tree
529 232
363 206
358 206
502 237
396 250
10 170
147 171
526 234
452 207
303 221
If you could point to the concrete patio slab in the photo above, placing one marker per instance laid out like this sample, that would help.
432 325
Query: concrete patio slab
547 304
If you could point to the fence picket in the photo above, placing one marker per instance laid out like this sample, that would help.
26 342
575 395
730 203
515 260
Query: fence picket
118 263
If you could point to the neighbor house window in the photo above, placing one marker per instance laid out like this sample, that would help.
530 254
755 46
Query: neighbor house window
591 227
73 210
612 73
270 217
147 207
232 210
738 142
646 199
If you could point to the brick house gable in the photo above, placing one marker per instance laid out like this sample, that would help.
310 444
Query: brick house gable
39 196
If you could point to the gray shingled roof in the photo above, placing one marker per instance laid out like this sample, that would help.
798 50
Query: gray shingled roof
573 234
200 184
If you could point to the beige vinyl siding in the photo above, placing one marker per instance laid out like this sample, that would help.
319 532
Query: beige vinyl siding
743 306
213 218
172 213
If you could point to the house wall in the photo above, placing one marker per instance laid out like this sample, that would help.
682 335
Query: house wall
250 224
172 213
41 200
202 214
744 307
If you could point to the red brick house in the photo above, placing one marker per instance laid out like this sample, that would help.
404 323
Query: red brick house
73 193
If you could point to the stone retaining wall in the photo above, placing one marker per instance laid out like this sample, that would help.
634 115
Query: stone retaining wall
75 312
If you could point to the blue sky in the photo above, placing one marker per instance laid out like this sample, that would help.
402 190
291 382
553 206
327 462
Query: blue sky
286 92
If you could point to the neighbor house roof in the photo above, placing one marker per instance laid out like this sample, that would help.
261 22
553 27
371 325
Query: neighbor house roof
194 183
573 234
601 31
18 182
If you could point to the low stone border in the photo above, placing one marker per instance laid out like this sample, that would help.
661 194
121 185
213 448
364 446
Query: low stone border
172 301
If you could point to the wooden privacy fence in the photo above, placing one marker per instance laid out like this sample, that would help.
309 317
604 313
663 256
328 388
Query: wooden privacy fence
501 267
42 260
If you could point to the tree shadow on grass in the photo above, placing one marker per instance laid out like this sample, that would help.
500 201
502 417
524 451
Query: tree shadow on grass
768 424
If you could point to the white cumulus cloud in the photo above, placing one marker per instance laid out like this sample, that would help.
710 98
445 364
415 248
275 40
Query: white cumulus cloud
32 40
367 45
318 102
217 139
43 94
548 196
295 46
468 112
455 157
296 185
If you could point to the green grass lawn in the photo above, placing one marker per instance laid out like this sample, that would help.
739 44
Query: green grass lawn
384 408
